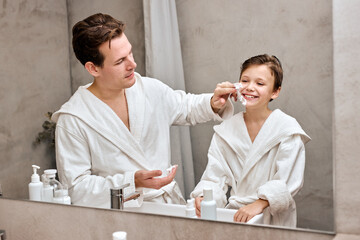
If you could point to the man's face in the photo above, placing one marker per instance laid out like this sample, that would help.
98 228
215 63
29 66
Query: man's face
119 64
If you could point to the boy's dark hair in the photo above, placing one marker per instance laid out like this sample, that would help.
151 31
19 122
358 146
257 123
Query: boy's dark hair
90 33
272 62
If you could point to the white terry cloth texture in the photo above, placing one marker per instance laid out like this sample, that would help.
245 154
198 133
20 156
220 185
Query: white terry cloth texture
164 62
270 168
96 151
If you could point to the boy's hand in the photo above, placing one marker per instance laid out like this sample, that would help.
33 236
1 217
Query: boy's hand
244 214
198 205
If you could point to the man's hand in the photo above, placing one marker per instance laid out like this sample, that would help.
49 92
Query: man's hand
221 95
247 212
147 179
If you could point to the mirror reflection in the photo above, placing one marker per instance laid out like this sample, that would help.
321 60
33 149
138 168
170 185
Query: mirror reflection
215 39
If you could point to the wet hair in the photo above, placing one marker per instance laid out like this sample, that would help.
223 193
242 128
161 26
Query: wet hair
90 33
273 64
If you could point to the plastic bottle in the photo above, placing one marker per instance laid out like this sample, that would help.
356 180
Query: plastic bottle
120 235
54 186
190 208
208 205
47 191
62 195
35 186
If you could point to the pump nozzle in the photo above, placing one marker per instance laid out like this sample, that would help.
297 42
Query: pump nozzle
35 177
35 167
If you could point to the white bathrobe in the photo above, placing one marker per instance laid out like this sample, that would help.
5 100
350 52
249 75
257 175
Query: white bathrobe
95 151
270 168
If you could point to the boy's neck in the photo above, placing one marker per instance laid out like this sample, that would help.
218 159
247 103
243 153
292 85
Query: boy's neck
256 115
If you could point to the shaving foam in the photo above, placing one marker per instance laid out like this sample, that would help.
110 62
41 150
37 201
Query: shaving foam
240 98
170 169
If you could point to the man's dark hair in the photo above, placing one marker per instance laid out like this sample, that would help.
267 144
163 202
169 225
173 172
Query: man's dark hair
90 33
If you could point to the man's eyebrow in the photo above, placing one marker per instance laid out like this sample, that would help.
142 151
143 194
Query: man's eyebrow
120 59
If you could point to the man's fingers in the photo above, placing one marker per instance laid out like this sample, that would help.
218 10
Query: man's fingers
169 178
151 174
221 95
151 179
224 91
226 84
158 183
144 178
221 101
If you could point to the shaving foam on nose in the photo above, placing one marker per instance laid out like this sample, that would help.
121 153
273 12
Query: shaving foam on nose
240 97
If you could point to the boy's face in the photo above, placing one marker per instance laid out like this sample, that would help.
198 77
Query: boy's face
258 86
117 71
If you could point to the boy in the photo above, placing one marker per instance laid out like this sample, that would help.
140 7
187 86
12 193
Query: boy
260 153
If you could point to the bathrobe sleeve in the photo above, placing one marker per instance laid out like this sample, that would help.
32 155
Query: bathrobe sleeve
74 164
216 174
289 175
183 108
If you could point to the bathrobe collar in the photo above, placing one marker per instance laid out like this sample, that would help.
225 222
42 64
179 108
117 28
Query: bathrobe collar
95 113
277 126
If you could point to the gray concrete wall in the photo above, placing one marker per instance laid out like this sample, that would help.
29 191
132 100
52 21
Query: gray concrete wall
347 115
217 36
35 79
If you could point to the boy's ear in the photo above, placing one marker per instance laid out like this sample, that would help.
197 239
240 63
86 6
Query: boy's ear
92 69
276 93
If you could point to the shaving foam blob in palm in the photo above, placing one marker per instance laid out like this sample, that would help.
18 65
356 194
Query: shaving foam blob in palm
240 98
170 169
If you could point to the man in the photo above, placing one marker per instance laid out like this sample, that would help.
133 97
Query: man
116 130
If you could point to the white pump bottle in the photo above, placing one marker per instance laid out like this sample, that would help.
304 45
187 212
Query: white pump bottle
35 186
190 208
208 205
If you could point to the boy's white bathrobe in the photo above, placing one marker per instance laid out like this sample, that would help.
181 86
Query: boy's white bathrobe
95 151
270 168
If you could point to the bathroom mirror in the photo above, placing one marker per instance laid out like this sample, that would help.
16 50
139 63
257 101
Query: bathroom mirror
39 74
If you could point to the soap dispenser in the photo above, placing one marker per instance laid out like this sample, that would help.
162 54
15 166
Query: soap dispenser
208 205
35 186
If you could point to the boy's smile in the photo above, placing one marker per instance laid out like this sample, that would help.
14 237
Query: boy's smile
258 86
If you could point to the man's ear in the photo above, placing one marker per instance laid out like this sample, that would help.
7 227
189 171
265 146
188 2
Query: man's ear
92 69
276 93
